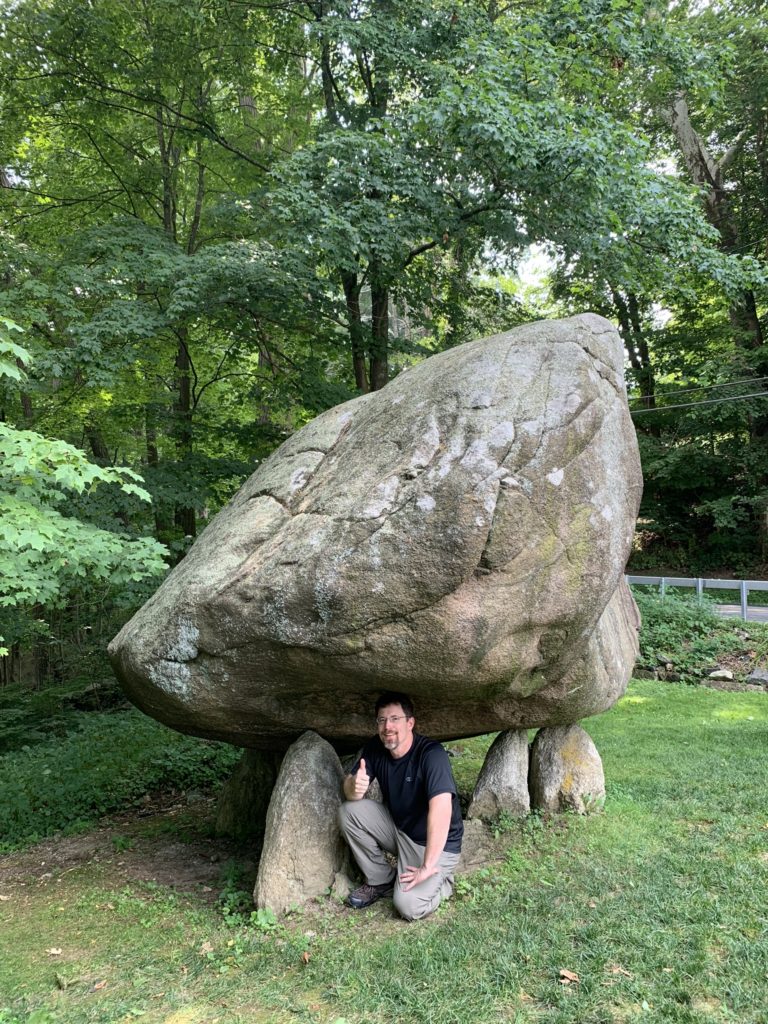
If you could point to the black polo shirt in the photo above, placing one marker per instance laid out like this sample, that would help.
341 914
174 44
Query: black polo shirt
409 782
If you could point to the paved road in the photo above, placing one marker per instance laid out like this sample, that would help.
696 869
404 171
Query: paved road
754 613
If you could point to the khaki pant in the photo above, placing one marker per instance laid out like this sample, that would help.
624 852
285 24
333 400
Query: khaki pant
369 829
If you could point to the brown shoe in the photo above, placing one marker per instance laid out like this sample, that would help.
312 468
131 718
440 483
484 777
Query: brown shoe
368 894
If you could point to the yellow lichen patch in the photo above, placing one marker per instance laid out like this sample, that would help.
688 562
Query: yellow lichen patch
573 754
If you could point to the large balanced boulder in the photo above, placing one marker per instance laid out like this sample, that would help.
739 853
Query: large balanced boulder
460 534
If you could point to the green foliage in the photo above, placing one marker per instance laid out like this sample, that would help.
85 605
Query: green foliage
684 631
11 354
108 762
29 717
235 900
47 551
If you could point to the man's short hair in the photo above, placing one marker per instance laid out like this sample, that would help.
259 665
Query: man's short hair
393 697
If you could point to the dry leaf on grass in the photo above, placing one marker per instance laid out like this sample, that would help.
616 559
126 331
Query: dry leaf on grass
305 957
98 986
616 969
207 947
54 951
568 977
4 899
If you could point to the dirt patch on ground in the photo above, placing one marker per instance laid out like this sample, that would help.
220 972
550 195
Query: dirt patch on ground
162 843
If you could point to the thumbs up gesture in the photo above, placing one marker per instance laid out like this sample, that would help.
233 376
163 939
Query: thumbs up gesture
362 780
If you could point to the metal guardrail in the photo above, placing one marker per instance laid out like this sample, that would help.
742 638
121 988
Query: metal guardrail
700 585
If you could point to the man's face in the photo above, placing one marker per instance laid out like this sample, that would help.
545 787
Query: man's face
395 729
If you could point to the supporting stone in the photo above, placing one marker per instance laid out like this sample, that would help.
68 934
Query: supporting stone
503 781
566 771
242 809
303 853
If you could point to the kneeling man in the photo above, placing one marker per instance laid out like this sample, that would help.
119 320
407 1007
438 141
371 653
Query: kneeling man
419 821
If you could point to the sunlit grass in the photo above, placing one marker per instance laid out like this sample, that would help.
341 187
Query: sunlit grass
658 905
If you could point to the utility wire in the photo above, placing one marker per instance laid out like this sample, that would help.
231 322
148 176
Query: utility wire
707 387
704 401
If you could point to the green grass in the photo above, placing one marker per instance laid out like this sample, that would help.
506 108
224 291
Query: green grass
659 905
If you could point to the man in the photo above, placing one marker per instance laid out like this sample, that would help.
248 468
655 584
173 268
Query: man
419 821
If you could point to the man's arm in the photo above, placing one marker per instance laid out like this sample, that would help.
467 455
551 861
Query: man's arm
356 786
438 825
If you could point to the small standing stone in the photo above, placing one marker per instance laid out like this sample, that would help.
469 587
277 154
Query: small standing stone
303 850
244 800
503 781
566 771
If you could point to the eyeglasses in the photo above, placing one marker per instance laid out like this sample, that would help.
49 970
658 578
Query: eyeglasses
391 720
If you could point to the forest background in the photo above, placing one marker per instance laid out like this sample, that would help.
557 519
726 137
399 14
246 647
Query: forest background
219 219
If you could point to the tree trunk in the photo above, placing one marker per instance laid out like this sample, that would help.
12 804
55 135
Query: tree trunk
185 515
379 373
163 522
709 174
356 330
98 444
636 346
26 400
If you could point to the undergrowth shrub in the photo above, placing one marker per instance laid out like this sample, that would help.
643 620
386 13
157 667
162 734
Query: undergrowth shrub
29 717
684 631
109 762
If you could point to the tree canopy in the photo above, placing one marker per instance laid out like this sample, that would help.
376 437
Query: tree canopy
220 219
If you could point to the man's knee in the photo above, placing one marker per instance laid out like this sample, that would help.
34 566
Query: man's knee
412 907
357 816
354 812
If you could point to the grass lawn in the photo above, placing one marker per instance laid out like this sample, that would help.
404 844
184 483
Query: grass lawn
659 906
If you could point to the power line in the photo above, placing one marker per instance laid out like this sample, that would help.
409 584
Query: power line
705 401
708 387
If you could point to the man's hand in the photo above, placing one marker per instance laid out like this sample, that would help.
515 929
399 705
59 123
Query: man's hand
362 780
414 876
